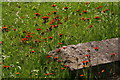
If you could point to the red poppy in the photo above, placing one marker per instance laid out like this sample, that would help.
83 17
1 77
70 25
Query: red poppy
51 23
98 73
50 37
35 17
103 70
45 38
55 26
1 42
37 14
45 17
32 51
54 12
82 18
87 55
48 13
66 66
103 11
81 75
45 41
38 29
62 68
17 73
60 35
86 3
85 11
50 73
66 8
106 9
59 61
90 26
46 74
80 14
53 5
58 50
60 43
56 16
87 18
64 47
113 54
97 17
85 61
4 66
55 57
8 66
58 19
96 48
100 6
77 10
23 39
22 17
14 29
97 7
49 56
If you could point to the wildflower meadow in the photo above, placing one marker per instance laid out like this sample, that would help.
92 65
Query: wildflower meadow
31 29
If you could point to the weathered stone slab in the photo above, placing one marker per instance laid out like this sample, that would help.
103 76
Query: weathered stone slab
73 55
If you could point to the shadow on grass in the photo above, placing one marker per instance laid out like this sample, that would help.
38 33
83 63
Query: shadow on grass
109 71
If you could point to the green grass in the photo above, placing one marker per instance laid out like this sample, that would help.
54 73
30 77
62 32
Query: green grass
73 29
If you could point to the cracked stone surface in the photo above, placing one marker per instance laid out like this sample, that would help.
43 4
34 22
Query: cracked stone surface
73 55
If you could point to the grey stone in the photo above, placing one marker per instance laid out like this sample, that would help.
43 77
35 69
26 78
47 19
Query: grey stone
73 55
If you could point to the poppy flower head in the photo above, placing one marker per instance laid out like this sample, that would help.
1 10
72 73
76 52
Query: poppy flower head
38 29
60 35
48 14
82 18
80 14
22 16
49 56
46 74
50 37
81 75
45 38
77 10
62 68
14 29
60 43
106 9
113 54
35 17
98 73
100 6
86 3
37 14
66 8
45 17
64 47
90 26
17 73
103 11
96 48
54 12
97 7
55 26
97 17
4 66
50 73
53 5
58 50
87 55
103 70
85 11
32 51
55 57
